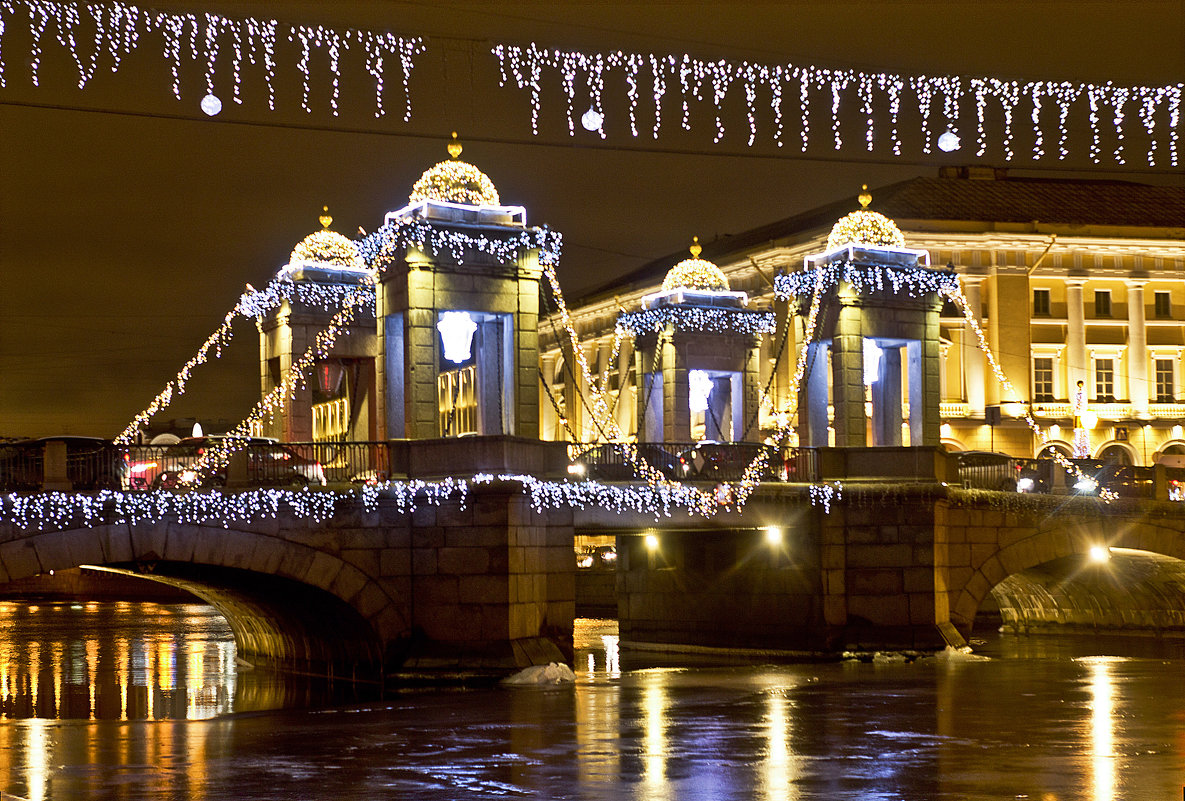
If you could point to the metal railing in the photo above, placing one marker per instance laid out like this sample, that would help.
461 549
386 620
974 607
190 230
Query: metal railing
695 461
263 463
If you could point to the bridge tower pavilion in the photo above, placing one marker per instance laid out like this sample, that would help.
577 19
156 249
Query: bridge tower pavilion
458 307
871 377
339 403
695 357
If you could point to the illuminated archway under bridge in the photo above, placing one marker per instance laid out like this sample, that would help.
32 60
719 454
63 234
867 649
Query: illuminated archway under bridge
466 583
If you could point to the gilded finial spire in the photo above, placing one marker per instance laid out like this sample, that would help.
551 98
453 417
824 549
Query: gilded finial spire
865 196
325 219
695 247
454 147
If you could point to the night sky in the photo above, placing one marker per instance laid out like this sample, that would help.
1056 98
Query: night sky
130 221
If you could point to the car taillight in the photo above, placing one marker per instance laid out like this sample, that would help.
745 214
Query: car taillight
141 467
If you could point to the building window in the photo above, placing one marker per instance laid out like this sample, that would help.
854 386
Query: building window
1040 302
1165 391
1043 379
1163 305
1102 303
1104 380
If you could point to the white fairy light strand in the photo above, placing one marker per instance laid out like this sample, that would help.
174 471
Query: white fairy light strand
711 81
94 32
254 304
218 453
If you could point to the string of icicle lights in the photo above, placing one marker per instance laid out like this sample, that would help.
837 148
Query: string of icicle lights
797 89
56 511
104 34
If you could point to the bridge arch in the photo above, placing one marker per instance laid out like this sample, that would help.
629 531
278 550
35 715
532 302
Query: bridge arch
1042 536
289 604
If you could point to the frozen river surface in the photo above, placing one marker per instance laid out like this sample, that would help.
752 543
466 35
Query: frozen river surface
138 701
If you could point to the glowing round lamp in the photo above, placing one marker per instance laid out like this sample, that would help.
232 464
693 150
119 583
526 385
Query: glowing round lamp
1089 419
211 105
592 119
1100 553
949 142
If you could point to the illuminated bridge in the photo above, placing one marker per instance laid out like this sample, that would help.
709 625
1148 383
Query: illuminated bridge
883 549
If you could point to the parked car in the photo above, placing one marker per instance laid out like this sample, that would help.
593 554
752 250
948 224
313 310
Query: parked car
269 464
92 463
988 470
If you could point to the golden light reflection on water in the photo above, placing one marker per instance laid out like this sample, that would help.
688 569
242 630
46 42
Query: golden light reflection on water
780 763
1102 727
60 661
654 723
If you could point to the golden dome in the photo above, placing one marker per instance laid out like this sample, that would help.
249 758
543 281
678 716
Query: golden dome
455 181
695 273
865 227
328 248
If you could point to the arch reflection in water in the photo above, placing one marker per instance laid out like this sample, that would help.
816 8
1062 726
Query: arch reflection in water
115 661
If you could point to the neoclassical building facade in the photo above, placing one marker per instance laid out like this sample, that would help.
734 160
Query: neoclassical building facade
1070 281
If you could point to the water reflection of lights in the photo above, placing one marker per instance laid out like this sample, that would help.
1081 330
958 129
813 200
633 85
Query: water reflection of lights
654 753
612 656
57 662
1102 727
779 761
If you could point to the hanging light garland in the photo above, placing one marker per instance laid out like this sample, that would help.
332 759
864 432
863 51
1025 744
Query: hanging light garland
98 33
218 453
55 511
712 81
697 318
864 278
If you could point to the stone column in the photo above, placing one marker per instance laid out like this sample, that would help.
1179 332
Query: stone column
573 406
974 361
548 421
1075 335
812 399
718 419
626 406
1138 389
847 381
886 400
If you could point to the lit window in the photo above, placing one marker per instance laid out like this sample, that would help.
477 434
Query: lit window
1165 390
1104 380
1040 302
1043 379
1102 303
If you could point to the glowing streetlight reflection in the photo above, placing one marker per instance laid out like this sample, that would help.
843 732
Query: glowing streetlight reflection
1102 728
